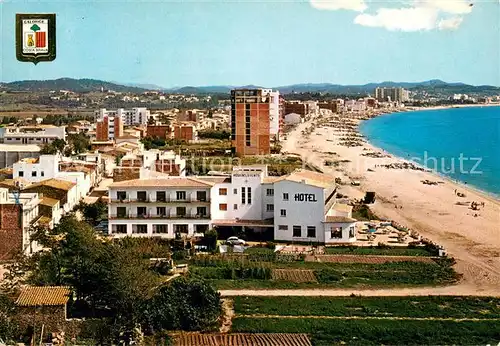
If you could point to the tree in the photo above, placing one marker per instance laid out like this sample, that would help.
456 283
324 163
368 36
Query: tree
186 304
79 142
8 326
93 213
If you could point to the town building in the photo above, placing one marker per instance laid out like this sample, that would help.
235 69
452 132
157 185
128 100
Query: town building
129 117
184 132
296 107
11 153
37 134
256 115
160 131
108 127
162 207
391 94
298 207
18 211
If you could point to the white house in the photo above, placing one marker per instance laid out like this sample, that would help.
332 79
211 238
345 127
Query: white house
47 167
39 134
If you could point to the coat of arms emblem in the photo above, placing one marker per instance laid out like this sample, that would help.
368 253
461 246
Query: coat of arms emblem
35 37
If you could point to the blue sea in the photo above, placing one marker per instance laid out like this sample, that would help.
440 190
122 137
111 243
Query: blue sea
460 143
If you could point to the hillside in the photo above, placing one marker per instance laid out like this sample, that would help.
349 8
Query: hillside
76 85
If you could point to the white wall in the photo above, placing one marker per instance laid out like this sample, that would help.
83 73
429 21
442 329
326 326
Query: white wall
346 228
46 168
308 212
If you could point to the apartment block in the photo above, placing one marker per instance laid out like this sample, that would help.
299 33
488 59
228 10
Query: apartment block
108 127
129 117
254 119
391 94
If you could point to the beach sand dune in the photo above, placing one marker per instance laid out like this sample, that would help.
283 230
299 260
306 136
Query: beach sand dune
472 237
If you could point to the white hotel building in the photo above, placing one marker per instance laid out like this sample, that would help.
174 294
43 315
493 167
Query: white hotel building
298 207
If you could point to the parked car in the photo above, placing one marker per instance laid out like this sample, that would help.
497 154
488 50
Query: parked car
235 241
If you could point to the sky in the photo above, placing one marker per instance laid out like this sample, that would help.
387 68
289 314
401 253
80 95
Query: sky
262 42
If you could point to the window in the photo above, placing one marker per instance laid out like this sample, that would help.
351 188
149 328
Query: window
235 191
311 231
270 207
180 211
121 211
222 192
283 212
161 196
270 192
235 206
285 196
181 228
223 206
201 196
243 196
161 211
42 173
141 211
21 173
201 211
297 231
200 228
352 232
336 233
121 195
141 196
119 229
181 195
283 227
140 229
249 195
33 174
160 229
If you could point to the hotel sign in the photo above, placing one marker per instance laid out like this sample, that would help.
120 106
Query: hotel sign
305 197
35 37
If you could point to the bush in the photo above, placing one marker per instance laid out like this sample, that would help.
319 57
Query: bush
328 275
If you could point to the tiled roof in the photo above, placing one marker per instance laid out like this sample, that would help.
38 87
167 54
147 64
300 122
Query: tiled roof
56 184
43 295
163 182
310 178
339 219
215 179
270 180
49 201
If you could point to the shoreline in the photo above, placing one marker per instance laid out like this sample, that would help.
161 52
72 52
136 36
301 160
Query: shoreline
470 235
494 197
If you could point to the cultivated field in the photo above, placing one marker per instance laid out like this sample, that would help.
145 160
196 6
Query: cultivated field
280 271
373 321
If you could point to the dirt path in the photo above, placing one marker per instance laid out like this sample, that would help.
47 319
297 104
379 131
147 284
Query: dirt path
227 315
402 318
454 290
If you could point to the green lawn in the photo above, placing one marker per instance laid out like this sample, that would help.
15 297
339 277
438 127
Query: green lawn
431 306
328 332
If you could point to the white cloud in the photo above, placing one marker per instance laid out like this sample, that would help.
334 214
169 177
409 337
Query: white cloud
333 5
416 15
447 6
404 19
450 23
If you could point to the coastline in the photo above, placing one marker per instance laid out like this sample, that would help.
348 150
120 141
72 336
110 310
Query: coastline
494 197
472 237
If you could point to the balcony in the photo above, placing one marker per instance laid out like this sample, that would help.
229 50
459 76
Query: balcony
156 216
154 200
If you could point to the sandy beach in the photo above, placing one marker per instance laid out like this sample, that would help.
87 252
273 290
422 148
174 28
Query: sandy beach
472 237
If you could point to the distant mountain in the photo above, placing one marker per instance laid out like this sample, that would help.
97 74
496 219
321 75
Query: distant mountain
76 85
142 86
434 86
